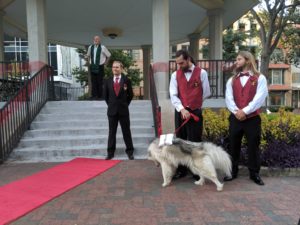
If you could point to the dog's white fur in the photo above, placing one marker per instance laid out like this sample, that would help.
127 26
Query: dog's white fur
202 158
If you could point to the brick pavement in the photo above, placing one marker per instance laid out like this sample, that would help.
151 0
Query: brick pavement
131 194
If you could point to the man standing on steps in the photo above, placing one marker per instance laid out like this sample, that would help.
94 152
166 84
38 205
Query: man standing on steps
98 56
118 95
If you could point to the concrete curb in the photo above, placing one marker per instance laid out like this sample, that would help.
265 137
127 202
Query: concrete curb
273 172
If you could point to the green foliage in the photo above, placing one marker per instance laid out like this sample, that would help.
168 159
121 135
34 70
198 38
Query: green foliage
130 69
86 96
277 126
232 43
233 40
81 75
276 19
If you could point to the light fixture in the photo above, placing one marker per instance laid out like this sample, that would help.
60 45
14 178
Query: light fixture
112 32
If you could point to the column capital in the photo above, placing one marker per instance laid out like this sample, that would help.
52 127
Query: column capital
215 12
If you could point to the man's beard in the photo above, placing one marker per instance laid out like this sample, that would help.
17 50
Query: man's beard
185 69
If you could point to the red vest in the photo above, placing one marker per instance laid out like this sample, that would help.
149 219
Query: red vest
243 95
190 92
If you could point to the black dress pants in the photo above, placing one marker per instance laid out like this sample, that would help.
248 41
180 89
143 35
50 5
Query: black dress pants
125 127
97 82
191 131
251 128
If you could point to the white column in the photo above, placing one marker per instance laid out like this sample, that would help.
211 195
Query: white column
215 21
37 30
215 17
194 45
160 23
1 36
146 63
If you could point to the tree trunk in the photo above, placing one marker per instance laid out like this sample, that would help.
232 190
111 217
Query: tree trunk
264 67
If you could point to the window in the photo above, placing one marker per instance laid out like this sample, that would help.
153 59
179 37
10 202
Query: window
276 77
276 98
253 26
296 78
185 47
173 51
242 26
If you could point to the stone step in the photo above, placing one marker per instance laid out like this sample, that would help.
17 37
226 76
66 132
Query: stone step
85 116
93 103
64 130
85 131
60 154
43 142
94 110
82 123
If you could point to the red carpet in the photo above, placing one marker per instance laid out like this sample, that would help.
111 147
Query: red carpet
22 196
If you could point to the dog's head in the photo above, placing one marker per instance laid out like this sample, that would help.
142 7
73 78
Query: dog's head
151 152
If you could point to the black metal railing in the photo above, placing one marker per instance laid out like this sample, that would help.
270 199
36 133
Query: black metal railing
156 110
218 74
20 110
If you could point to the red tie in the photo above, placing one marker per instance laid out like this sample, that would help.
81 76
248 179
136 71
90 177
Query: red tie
117 86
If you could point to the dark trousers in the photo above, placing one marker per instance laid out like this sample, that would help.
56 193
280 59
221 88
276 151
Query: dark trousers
125 126
191 131
97 83
251 128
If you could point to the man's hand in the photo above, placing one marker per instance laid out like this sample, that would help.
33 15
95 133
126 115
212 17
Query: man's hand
185 114
240 115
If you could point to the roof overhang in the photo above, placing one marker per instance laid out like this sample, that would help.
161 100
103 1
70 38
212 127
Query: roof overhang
74 23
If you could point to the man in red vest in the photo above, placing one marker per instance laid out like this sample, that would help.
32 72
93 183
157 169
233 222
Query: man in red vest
189 87
245 94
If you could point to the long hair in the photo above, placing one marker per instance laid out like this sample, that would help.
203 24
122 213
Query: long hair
250 62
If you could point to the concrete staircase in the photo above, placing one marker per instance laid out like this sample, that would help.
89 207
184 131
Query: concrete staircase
64 130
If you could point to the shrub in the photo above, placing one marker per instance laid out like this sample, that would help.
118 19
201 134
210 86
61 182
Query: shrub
280 140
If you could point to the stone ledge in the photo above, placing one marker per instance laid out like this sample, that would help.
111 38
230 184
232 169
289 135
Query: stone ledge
273 172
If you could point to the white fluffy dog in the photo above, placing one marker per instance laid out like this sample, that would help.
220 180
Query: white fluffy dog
201 158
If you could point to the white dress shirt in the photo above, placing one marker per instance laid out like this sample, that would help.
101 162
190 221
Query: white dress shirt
115 76
258 100
103 56
173 89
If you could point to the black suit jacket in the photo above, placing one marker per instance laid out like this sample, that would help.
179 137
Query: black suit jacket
118 104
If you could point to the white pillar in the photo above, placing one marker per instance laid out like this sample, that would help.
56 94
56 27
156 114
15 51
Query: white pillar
215 21
215 18
194 45
1 36
160 33
37 30
146 63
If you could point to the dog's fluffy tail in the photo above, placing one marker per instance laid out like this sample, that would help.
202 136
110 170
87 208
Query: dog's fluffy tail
220 158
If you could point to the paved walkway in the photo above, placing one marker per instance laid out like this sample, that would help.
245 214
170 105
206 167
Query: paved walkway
131 194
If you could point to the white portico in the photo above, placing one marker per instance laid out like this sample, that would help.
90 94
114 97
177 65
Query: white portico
128 24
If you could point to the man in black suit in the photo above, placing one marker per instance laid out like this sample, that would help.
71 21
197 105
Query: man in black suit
118 95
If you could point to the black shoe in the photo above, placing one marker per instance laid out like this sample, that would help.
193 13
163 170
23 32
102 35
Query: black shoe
109 157
179 175
256 178
227 178
130 157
